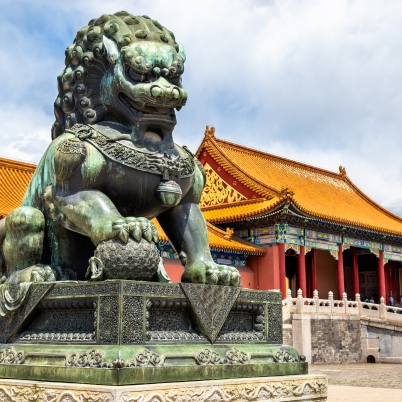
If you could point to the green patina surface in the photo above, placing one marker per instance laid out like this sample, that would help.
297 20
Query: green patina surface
111 168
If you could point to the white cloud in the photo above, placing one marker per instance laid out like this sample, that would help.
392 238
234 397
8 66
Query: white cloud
25 132
316 81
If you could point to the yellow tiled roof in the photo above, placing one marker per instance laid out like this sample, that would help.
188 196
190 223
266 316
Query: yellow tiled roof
220 240
316 192
14 179
239 210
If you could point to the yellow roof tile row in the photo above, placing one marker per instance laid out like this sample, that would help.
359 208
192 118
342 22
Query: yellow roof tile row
239 210
315 191
14 179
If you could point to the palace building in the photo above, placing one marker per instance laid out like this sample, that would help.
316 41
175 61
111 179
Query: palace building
318 229
283 224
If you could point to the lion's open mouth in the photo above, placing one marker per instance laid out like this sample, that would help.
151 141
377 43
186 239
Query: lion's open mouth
153 124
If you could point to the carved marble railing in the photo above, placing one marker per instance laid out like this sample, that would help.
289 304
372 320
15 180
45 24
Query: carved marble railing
315 305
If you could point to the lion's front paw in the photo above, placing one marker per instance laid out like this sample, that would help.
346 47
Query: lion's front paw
211 274
137 228
34 273
42 273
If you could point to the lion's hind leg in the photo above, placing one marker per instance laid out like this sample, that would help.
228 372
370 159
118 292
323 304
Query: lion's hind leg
23 241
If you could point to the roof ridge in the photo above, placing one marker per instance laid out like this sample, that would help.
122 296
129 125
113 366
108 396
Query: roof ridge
233 217
16 165
236 171
319 215
233 204
372 202
281 158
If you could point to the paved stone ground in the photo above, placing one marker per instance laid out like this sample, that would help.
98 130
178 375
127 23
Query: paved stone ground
362 382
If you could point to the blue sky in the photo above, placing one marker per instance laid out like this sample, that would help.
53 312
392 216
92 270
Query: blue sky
318 81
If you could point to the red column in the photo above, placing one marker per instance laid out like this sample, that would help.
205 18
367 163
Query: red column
313 271
282 269
301 271
340 273
381 277
355 272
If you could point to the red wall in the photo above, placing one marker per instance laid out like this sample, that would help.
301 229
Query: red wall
266 269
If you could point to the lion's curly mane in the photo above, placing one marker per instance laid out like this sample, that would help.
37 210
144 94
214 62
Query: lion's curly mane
79 98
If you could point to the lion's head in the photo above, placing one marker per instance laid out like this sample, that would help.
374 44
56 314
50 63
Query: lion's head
122 68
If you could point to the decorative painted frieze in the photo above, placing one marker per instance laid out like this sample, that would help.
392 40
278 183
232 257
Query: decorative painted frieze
392 253
244 234
392 249
267 239
322 236
295 236
281 230
321 245
289 234
362 243
392 257
264 235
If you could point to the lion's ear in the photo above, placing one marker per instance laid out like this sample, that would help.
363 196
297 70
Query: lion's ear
111 50
182 52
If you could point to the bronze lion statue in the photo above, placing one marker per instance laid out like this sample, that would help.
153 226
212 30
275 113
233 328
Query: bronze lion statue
112 167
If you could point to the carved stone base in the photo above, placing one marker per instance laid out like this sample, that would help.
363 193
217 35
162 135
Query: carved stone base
126 333
288 388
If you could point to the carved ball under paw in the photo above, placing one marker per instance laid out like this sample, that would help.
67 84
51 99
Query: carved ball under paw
132 260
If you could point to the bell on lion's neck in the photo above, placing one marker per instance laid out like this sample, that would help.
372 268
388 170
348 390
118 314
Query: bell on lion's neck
169 193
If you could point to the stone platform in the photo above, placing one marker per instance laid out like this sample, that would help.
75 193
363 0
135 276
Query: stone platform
126 332
288 388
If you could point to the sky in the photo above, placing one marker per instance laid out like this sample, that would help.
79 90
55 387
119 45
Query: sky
317 81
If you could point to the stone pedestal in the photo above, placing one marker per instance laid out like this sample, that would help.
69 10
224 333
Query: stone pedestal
150 342
258 389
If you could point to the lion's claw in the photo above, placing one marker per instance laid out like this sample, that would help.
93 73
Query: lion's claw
137 228
42 274
212 274
121 230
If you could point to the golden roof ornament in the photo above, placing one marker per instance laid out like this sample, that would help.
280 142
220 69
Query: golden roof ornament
229 233
209 132
287 193
342 172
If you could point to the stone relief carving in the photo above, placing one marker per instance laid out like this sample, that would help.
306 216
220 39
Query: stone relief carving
232 356
166 336
275 323
314 389
210 306
235 356
29 393
147 358
207 356
11 356
270 390
92 358
57 336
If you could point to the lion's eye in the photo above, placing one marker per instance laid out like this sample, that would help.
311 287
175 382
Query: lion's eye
135 76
